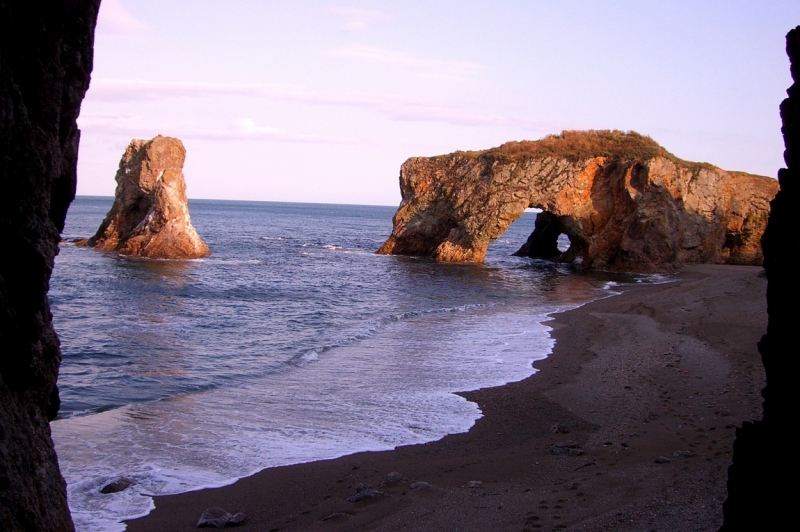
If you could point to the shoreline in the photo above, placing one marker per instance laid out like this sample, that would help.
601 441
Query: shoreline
634 378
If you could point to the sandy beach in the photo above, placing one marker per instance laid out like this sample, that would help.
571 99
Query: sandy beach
628 425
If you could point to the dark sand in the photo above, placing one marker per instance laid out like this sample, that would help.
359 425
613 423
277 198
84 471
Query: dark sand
656 370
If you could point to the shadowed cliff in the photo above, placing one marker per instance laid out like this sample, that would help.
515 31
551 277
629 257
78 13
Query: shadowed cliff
624 202
45 63
762 479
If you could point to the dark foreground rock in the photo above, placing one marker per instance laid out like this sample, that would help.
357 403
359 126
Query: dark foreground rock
150 215
45 63
624 202
761 492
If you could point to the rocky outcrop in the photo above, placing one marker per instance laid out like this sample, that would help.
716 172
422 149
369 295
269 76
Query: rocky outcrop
45 63
623 201
757 496
150 215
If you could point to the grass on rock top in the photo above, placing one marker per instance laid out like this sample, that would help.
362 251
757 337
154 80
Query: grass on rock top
582 145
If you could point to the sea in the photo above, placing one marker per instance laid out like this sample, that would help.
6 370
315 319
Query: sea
293 341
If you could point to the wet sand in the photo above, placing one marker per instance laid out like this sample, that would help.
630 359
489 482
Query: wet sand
628 425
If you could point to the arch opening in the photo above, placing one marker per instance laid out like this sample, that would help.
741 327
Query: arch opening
543 241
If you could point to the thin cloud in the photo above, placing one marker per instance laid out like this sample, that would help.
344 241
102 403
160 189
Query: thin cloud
130 126
432 68
114 18
126 90
249 127
394 107
357 20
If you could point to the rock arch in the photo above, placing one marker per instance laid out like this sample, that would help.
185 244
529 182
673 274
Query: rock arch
624 202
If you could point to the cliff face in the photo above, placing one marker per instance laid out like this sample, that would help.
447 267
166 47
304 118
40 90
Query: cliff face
756 497
150 215
45 63
623 201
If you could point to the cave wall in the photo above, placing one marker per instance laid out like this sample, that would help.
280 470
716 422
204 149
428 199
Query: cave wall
45 62
761 480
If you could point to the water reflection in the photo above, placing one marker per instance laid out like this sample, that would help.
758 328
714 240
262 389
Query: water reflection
175 272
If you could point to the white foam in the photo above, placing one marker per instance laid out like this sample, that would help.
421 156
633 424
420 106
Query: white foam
392 388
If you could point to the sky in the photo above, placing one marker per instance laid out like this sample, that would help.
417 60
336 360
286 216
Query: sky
320 101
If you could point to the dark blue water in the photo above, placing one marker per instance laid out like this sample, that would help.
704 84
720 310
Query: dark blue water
293 341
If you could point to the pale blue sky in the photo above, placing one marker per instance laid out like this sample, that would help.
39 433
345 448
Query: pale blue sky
322 101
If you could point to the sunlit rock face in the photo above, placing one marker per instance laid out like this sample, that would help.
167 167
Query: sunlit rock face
150 215
757 498
624 202
45 64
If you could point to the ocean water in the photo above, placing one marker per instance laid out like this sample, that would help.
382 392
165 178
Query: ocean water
292 342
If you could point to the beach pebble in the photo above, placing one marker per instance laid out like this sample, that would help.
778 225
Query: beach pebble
216 517
337 515
420 485
474 484
567 448
392 478
662 460
682 454
115 486
365 491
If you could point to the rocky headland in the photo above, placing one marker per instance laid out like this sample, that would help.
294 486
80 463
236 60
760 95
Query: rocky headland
625 203
150 214
46 51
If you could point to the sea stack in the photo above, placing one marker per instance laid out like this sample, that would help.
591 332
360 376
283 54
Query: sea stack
625 203
150 215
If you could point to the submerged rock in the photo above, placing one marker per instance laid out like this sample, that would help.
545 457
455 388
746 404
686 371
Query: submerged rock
150 215
117 485
624 202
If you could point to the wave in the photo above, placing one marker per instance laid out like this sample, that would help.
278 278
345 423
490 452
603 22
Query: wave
307 355
394 387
